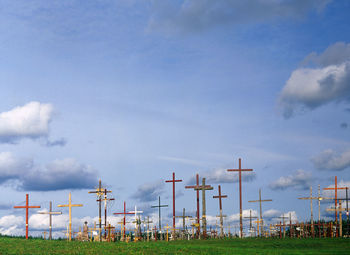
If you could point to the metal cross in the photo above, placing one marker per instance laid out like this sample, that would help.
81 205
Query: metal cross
159 206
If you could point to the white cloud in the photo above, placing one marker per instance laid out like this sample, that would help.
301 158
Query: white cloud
311 87
223 176
299 179
340 193
330 160
149 191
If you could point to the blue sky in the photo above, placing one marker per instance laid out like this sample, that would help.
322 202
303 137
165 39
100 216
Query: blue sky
130 91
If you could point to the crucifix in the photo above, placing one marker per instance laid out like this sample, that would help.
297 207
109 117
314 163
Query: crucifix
105 199
70 205
137 222
173 181
197 193
339 209
50 213
27 212
312 217
260 200
159 206
124 213
204 188
239 170
250 222
99 192
184 217
219 196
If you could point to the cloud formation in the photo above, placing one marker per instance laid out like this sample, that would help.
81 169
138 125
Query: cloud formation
189 16
222 176
57 175
299 180
332 161
149 191
327 81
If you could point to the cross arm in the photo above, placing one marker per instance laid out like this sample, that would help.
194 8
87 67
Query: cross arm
154 206
173 181
53 213
239 170
223 196
308 198
191 187
206 187
264 200
334 188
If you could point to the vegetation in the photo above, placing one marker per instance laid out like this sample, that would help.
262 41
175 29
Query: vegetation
215 246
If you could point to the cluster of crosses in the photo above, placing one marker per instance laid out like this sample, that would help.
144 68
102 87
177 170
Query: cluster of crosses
297 229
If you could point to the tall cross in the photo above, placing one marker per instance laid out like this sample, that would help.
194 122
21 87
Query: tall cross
240 170
260 201
27 212
137 221
335 196
159 206
204 188
99 192
70 205
250 221
339 209
219 196
184 217
312 217
105 199
197 193
50 213
124 213
173 181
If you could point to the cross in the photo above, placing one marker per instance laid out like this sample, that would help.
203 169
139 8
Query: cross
92 230
184 217
66 233
339 209
257 223
137 222
44 235
280 225
173 181
335 196
219 196
159 206
105 199
124 213
155 233
109 230
250 221
122 229
203 188
260 200
239 170
284 225
197 193
27 212
99 192
70 205
167 232
312 219
50 213
147 222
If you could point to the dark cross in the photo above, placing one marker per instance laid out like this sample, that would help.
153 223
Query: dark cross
109 229
27 212
203 188
280 225
260 200
124 213
184 217
250 221
239 170
99 192
155 233
173 181
159 206
339 209
50 213
105 199
312 217
221 216
197 193
284 225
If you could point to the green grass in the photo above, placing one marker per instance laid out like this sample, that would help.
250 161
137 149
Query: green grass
232 246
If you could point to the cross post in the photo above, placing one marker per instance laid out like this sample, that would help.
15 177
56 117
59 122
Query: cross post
50 213
124 213
197 197
250 221
173 181
219 196
312 217
105 199
159 206
99 192
184 217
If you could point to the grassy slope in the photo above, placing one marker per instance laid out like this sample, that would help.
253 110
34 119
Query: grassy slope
233 246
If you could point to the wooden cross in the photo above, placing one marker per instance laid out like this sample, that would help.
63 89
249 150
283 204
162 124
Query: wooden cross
240 170
339 209
219 196
122 229
70 205
148 222
137 221
159 206
124 213
99 192
312 218
109 229
66 233
27 212
280 225
155 233
184 217
197 193
284 225
204 188
250 221
167 232
173 181
44 235
92 230
50 213
336 188
260 201
257 223
105 199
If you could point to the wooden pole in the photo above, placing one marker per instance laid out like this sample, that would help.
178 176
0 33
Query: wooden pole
124 213
50 213
250 222
173 181
239 170
219 196
197 200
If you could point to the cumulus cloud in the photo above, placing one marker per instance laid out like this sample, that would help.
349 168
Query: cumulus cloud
340 193
271 213
223 176
300 179
57 175
197 15
327 81
330 160
149 191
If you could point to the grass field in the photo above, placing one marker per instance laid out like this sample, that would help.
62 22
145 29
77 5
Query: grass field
232 246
